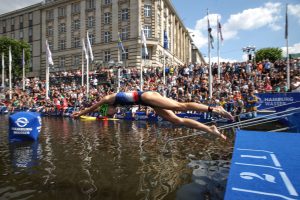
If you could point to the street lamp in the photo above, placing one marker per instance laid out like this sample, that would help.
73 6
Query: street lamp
249 50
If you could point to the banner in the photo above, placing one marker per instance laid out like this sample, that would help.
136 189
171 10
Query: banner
268 100
24 126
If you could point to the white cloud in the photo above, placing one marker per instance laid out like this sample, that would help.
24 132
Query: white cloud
295 11
249 19
292 49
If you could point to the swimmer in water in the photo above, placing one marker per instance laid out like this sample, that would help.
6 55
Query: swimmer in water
163 107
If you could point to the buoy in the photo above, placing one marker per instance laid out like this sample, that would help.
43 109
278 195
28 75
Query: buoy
24 126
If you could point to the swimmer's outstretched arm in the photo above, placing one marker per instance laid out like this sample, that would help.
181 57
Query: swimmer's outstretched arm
105 100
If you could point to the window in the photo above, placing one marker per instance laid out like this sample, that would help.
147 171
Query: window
125 54
62 44
106 36
144 56
75 7
12 24
147 31
50 14
4 26
76 42
76 24
50 31
50 45
106 18
62 62
30 31
61 12
90 4
91 21
147 10
107 2
12 35
62 28
76 60
92 39
21 21
106 56
21 18
30 34
124 34
124 14
30 16
21 35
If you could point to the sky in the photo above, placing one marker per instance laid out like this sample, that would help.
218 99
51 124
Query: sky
255 23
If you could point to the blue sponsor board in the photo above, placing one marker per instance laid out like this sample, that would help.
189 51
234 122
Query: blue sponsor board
268 100
24 126
264 166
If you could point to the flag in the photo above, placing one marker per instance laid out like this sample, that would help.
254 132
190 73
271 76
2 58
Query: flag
166 41
286 23
89 47
120 44
211 39
84 49
220 30
23 58
144 41
49 54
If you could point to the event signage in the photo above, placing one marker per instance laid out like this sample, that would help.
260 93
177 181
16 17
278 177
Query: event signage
24 126
268 100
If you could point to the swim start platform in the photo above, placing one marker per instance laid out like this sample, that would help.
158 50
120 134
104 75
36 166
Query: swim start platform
265 166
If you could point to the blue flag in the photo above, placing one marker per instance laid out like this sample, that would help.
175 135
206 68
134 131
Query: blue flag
166 44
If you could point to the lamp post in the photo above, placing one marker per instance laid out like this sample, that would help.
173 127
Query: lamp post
249 50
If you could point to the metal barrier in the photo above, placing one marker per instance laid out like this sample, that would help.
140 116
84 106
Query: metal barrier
246 123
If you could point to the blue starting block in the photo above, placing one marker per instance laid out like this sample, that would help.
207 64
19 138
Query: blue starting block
24 126
265 166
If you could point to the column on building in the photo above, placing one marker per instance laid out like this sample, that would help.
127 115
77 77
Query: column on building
136 11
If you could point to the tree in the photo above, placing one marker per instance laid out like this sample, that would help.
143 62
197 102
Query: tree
17 54
272 54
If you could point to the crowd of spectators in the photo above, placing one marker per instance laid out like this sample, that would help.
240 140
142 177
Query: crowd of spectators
235 89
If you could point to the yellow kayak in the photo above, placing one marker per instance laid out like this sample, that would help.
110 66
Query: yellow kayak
89 118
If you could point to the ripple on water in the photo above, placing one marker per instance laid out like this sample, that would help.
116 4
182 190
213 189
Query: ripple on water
112 160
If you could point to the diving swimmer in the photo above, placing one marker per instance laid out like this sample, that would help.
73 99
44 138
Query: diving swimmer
163 107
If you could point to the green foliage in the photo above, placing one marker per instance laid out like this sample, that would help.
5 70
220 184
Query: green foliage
271 54
17 54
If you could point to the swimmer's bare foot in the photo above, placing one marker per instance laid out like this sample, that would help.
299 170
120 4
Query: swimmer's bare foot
221 111
215 131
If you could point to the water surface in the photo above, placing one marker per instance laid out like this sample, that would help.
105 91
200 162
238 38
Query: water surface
117 160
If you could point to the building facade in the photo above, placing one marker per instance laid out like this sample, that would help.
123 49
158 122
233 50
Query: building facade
64 23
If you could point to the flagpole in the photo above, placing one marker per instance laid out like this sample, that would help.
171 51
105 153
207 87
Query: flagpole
47 79
118 72
3 71
218 47
209 64
9 68
164 72
87 76
82 68
141 72
287 50
23 62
